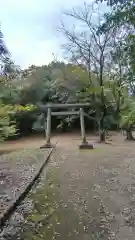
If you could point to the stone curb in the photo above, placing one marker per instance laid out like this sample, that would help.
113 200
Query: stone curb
11 208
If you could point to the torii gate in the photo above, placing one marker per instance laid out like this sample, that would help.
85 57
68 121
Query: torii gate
49 107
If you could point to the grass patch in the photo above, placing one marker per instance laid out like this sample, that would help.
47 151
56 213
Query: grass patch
44 215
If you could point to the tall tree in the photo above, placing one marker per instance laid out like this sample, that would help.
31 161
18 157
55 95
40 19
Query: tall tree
91 47
3 49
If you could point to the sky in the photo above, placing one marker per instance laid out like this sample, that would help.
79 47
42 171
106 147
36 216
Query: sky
30 29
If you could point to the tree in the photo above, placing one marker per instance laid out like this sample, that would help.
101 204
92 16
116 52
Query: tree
3 49
113 2
7 128
121 18
91 47
127 120
9 69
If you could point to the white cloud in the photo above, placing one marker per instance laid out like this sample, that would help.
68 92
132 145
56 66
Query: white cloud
43 53
29 28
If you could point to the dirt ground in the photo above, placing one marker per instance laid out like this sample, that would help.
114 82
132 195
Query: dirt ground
36 141
22 143
98 190
93 193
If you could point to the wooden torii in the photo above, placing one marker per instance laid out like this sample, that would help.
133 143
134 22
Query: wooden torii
50 107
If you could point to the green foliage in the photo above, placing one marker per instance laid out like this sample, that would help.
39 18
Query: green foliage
113 2
7 127
65 83
8 117
128 114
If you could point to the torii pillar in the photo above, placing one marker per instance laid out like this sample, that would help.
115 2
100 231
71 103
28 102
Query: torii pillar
84 144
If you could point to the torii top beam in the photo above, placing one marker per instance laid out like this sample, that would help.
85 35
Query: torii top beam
66 105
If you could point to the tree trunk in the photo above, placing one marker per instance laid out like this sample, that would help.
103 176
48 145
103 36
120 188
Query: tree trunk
129 135
101 130
102 136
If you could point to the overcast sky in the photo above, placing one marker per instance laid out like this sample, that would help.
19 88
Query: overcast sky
30 29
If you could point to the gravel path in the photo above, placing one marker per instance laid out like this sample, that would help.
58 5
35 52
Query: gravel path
86 195
98 190
16 171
